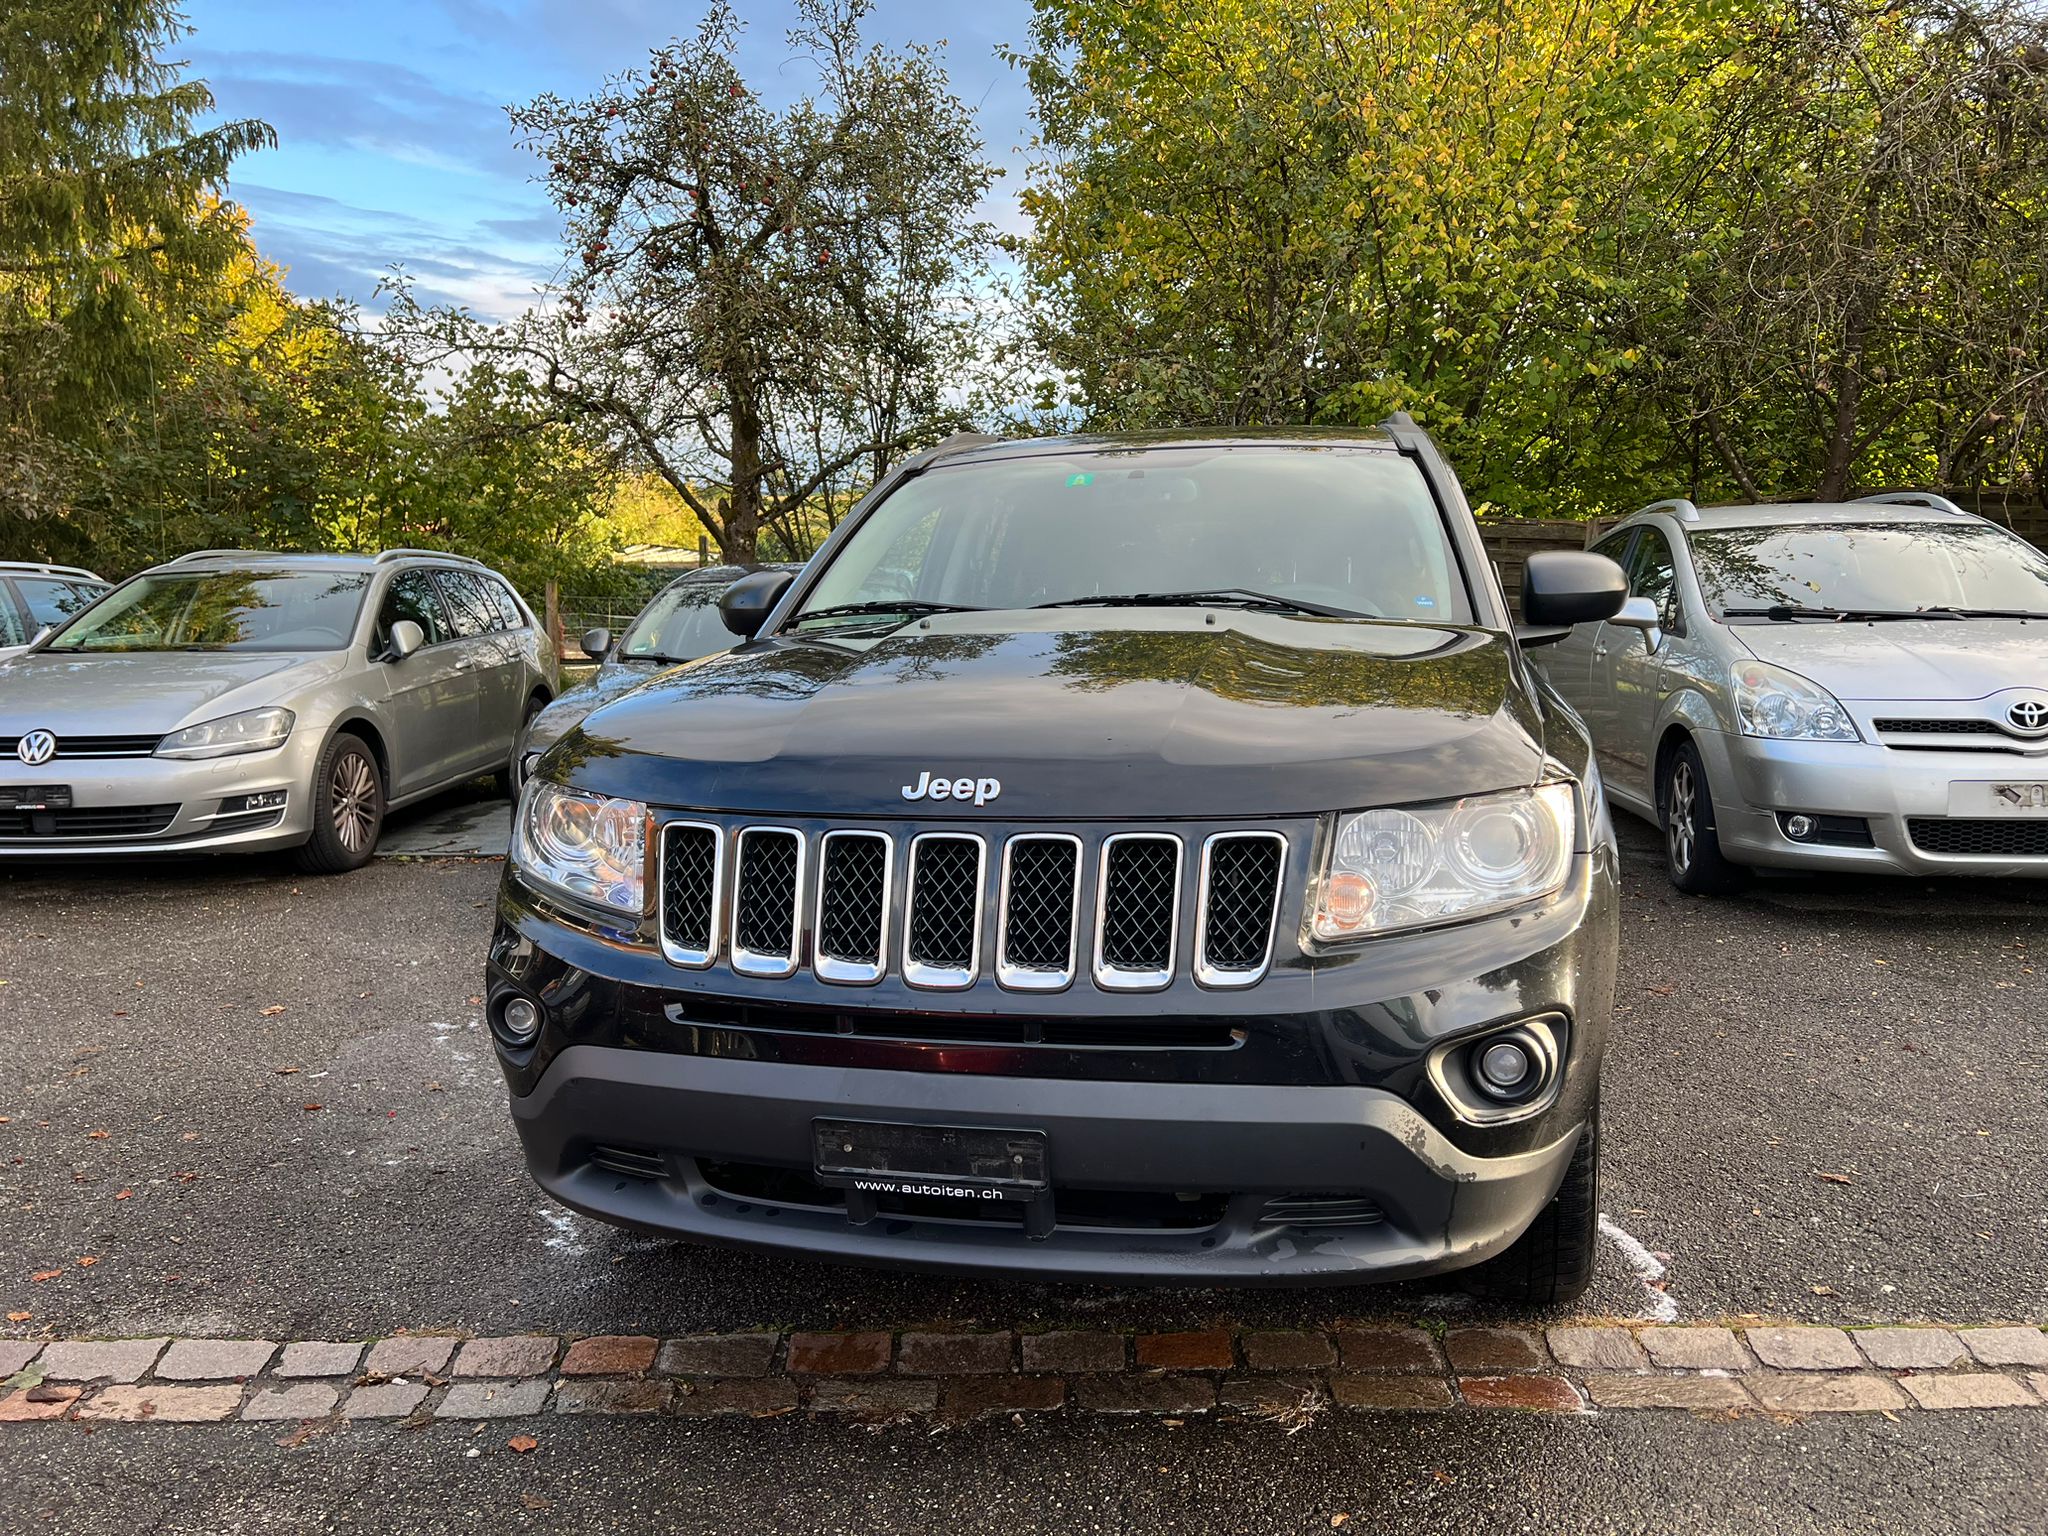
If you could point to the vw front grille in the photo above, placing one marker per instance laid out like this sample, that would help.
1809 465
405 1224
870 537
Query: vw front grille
971 907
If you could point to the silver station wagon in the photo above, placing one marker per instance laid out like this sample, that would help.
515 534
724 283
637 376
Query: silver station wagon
235 700
1857 685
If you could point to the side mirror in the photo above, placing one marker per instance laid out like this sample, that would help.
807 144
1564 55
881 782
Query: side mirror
1641 613
746 604
42 634
406 637
1563 587
596 642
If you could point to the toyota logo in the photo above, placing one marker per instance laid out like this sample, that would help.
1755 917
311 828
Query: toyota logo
38 747
2027 715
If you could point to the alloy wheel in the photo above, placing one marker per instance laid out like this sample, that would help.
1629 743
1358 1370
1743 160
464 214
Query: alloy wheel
353 786
1681 809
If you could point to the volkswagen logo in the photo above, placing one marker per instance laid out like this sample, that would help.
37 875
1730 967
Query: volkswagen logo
2028 715
38 747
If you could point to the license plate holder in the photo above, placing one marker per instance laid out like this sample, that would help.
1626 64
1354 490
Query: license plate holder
1996 798
35 797
970 1164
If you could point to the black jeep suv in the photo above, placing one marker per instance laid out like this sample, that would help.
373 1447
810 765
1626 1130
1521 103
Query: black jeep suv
1117 858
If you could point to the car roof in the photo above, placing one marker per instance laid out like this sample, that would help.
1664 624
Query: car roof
971 448
1792 514
44 568
353 561
731 573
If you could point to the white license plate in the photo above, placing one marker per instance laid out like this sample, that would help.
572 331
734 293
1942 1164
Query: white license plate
2014 797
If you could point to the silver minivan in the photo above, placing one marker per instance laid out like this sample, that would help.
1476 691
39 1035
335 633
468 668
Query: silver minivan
1858 685
235 700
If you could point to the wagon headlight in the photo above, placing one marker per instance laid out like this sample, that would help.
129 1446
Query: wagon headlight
1393 869
254 730
592 846
1773 702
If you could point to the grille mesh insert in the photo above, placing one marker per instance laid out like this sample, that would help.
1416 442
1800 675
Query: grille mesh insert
854 882
1140 876
1239 926
689 870
1040 931
943 903
87 821
1944 727
1984 838
764 906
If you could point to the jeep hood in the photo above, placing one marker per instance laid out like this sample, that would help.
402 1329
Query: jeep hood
1130 714
1928 659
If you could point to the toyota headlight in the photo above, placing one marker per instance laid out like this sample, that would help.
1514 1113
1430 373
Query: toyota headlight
592 846
1773 702
254 730
1392 869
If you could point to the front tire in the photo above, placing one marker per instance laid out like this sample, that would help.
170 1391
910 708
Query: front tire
1552 1262
348 808
511 778
1692 848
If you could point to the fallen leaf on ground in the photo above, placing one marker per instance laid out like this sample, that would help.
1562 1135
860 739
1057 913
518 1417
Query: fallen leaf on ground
1338 1519
1822 1290
523 1443
124 1194
1832 1178
272 1011
286 1071
97 1135
534 1501
86 1261
20 1317
45 1274
309 1108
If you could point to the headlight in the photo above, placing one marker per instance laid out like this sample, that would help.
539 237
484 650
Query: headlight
1784 706
1394 869
254 730
591 846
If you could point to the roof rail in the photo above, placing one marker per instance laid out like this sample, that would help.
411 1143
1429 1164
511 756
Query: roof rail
1678 506
1926 499
209 554
429 554
44 568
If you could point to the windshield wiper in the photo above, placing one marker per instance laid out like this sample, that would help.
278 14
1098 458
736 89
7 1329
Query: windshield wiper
1228 597
1786 613
910 607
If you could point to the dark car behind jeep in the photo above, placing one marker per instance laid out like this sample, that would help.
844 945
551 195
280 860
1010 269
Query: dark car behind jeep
1134 859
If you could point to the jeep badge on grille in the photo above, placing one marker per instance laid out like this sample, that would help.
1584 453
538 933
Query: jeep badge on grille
980 791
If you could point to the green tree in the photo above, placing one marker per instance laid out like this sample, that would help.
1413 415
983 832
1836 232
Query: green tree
762 304
110 233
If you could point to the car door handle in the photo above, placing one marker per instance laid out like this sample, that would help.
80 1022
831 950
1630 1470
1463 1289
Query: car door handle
1599 651
464 664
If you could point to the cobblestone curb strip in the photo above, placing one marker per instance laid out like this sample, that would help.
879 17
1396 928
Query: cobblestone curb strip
956 1376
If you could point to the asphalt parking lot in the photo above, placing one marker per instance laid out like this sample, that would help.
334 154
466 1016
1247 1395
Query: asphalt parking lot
267 1106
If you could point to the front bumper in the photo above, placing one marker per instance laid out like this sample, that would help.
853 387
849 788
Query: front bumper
1230 1151
124 787
1290 1132
1755 780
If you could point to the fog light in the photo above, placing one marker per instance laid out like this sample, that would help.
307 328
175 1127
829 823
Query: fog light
261 800
1506 1069
1800 828
518 1020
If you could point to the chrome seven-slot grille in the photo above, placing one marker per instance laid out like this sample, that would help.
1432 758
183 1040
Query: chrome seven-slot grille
1034 910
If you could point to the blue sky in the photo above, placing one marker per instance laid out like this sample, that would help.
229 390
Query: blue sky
393 143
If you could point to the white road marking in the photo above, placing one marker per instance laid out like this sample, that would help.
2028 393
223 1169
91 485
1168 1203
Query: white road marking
1662 1305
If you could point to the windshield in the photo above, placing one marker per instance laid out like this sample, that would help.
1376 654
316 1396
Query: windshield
1344 530
256 610
1869 567
681 624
